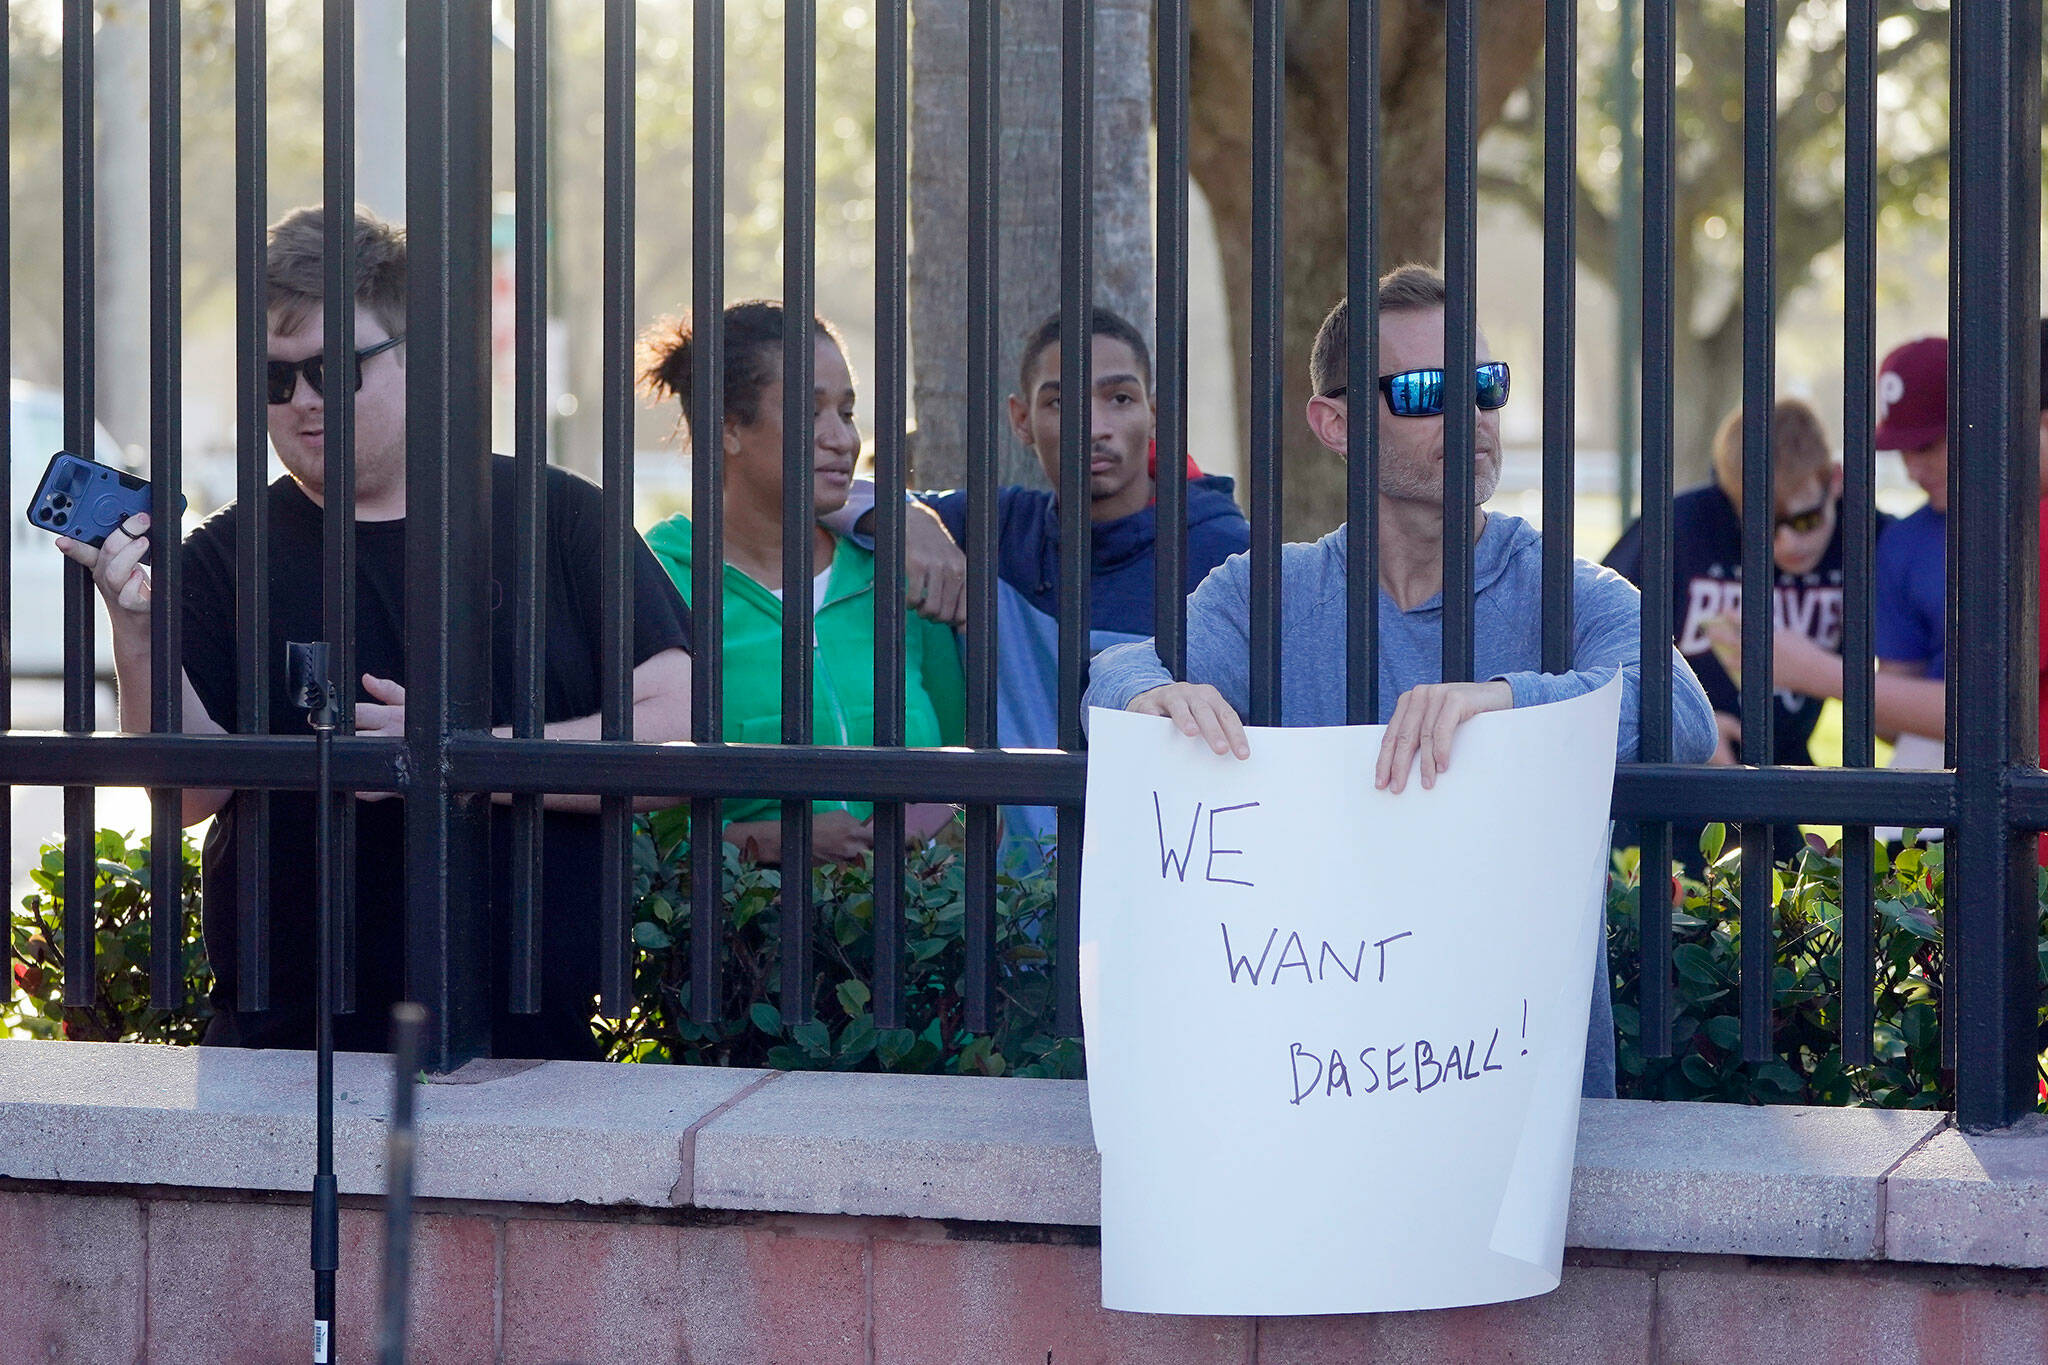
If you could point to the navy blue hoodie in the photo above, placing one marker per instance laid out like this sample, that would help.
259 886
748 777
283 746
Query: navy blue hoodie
1028 603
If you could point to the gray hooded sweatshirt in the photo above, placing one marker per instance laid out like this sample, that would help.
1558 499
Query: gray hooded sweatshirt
1507 645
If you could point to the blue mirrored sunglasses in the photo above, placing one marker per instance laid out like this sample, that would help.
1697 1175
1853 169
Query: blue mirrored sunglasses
1420 393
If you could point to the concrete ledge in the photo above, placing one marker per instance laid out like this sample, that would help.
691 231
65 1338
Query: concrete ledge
1973 1199
1008 1151
1835 1184
1763 1181
222 1118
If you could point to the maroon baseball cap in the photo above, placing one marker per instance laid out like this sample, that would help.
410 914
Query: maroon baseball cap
1912 396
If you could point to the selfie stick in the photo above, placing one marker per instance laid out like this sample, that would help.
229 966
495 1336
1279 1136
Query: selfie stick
306 667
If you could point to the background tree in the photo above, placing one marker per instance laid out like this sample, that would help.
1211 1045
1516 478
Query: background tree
1912 171
664 248
1028 207
1412 174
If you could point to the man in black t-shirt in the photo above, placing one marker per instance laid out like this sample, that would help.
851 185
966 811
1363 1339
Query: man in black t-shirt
572 584
1806 548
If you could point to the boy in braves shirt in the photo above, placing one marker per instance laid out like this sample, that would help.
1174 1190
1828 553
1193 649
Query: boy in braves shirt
1806 548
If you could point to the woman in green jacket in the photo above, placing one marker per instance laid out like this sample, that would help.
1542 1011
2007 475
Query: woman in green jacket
842 595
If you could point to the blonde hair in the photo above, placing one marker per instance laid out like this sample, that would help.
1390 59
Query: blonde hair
1800 448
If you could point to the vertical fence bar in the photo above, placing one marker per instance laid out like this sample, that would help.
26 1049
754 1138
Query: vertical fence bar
892 302
448 503
1859 511
799 435
7 500
530 456
1624 95
1759 508
1361 380
1170 387
1954 947
1461 332
1660 75
166 472
1995 120
984 292
252 505
80 686
1560 324
1268 171
615 814
707 509
1077 301
338 512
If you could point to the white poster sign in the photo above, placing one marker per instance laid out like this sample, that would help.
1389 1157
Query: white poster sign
1336 1036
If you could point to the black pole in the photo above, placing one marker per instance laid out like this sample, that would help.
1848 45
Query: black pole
447 522
1994 918
313 690
408 1027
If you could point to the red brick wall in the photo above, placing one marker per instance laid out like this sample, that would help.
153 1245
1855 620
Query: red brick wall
128 1275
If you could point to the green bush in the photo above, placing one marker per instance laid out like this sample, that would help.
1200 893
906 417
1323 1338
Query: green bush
1808 1066
122 1012
841 1034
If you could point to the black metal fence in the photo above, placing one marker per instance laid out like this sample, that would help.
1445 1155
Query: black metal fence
1989 801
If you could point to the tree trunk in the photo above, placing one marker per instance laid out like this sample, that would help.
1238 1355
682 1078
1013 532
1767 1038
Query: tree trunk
1028 204
121 226
1710 368
1314 222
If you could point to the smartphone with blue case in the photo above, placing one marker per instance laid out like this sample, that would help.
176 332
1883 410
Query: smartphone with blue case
84 499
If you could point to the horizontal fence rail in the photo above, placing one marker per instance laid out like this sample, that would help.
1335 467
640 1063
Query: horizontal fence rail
494 823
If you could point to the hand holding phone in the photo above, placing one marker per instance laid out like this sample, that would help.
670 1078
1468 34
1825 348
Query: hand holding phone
116 566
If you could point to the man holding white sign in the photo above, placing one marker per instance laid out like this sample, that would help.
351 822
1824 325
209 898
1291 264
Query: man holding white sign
1426 713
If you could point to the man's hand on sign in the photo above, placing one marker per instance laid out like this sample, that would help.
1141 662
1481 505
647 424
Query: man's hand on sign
1426 720
1199 710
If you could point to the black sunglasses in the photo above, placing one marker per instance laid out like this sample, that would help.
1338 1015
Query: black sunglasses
1807 522
284 374
1420 393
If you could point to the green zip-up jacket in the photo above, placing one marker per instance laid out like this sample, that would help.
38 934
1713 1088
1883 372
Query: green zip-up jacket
842 664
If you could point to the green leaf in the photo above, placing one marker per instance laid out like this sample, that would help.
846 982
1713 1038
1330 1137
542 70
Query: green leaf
1726 1032
1712 839
853 997
892 1045
1695 963
652 937
1779 1077
766 1018
813 1037
1919 1026
856 1041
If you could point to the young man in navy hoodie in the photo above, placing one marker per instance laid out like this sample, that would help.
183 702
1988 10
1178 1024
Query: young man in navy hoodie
1123 421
